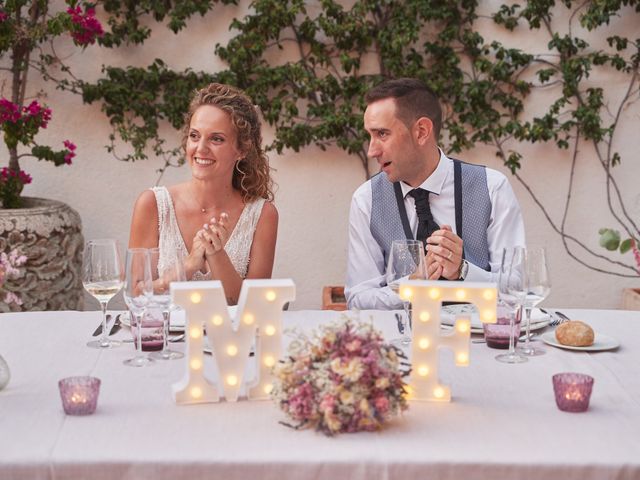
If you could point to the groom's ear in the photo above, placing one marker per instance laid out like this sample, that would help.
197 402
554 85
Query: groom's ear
423 130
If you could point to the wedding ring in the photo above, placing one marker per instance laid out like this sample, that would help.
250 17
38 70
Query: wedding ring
450 255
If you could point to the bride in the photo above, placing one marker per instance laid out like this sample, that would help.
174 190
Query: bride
222 221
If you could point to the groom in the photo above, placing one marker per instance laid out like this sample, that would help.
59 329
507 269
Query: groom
466 214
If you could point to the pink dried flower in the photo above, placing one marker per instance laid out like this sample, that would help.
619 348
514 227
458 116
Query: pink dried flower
381 403
3 16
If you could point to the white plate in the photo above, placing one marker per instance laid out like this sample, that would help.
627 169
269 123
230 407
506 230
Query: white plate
539 320
125 320
600 343
480 331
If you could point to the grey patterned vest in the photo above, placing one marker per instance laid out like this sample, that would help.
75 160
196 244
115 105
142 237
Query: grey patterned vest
473 211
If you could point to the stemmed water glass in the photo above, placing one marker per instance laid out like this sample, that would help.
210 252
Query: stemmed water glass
102 278
137 293
406 261
512 289
538 288
162 276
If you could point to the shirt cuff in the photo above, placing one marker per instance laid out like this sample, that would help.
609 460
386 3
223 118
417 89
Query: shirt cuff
477 274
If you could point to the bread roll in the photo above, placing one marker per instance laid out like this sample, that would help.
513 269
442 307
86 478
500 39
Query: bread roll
575 333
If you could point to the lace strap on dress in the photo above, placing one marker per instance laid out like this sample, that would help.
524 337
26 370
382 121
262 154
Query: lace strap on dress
254 214
162 201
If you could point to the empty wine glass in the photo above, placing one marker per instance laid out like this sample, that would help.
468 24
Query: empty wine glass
102 278
162 275
511 292
137 292
406 261
538 288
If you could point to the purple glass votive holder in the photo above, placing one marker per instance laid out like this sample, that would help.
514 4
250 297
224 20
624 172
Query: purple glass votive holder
497 334
572 391
79 395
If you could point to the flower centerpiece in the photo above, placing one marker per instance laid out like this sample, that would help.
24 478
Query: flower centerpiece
342 379
24 27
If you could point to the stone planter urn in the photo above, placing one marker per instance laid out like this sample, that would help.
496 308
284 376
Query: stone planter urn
49 233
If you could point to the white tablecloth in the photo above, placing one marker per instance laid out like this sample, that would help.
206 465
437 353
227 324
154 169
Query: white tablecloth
502 423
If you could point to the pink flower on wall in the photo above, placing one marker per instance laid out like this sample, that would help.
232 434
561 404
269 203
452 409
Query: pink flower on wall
86 26
20 119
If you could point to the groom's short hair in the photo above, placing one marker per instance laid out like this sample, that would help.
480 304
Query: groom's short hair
413 100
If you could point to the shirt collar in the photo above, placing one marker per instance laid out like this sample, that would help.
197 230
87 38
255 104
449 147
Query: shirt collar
435 182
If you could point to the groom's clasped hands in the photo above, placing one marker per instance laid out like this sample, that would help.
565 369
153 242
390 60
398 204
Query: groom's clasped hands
443 254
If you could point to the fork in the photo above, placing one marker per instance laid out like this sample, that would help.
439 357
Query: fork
556 317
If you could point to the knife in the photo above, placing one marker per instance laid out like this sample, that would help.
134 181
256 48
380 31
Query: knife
98 330
117 325
400 324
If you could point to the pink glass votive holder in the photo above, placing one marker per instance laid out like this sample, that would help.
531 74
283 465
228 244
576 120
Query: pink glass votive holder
497 334
79 395
572 391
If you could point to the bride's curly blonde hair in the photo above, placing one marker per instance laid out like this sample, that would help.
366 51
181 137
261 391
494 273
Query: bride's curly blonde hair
252 173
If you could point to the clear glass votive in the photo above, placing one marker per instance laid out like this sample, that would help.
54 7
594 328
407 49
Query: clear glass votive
79 395
497 334
572 391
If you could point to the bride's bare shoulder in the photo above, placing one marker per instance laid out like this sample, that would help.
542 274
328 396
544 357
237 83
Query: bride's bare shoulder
178 191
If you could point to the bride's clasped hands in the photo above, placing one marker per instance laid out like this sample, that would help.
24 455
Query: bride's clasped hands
208 242
215 234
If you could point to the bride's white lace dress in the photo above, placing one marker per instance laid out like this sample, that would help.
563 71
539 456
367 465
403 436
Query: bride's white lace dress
170 241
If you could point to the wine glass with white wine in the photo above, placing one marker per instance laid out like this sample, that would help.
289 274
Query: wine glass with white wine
102 278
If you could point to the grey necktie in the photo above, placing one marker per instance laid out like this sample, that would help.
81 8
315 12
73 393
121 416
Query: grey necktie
426 224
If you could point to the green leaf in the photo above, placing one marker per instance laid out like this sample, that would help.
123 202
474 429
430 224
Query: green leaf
626 245
610 239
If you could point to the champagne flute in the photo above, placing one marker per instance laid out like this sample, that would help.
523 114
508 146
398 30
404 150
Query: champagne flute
162 275
511 292
102 278
538 288
137 292
406 261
